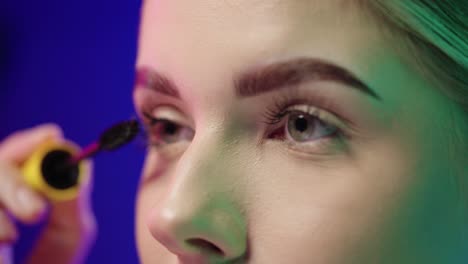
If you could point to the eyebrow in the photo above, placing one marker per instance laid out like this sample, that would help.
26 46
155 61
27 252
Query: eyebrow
151 79
265 79
294 72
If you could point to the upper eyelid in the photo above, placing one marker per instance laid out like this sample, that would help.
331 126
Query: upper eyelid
149 118
165 110
324 103
299 95
147 99
307 109
321 114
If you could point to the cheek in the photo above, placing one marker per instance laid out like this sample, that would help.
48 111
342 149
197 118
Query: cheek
325 210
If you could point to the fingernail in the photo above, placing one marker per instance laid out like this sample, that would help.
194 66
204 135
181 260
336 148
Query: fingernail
29 201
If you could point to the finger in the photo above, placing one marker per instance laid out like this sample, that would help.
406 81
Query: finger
20 200
19 146
6 254
70 229
8 233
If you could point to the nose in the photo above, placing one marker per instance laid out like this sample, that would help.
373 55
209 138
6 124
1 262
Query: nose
198 218
199 232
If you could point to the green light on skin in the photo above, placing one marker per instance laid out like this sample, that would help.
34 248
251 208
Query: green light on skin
429 223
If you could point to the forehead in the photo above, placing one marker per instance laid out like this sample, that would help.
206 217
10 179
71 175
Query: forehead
235 24
178 36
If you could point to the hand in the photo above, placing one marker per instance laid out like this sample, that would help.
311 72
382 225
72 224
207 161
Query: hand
70 226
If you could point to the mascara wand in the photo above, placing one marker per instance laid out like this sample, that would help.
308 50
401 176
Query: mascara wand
111 139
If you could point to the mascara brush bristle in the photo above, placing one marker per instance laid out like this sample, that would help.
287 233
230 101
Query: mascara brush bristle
119 135
113 138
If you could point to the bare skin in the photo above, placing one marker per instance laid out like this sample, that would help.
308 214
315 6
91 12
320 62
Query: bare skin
236 193
341 164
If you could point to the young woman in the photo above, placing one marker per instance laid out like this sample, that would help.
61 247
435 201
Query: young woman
287 132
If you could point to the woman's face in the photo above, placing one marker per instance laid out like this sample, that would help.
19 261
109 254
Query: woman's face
287 132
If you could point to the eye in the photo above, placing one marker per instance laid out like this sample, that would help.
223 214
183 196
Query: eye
161 131
304 127
307 129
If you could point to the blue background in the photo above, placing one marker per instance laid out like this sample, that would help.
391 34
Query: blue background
72 63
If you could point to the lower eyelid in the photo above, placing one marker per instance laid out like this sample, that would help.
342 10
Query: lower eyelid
311 144
330 120
322 146
172 151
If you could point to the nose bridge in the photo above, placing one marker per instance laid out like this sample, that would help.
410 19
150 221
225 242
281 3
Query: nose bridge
213 162
202 207
208 167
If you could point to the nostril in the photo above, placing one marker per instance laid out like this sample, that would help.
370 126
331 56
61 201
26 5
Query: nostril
206 246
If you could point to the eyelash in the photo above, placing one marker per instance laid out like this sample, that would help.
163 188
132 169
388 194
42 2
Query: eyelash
275 114
150 123
315 107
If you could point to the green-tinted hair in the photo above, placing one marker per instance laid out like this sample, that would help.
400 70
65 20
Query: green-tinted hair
436 34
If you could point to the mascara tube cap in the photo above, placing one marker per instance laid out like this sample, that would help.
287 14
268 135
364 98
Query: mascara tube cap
47 171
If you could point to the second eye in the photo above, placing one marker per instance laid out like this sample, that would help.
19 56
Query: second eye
165 132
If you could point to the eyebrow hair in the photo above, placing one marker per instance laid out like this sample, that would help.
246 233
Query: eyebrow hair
149 78
265 79
293 72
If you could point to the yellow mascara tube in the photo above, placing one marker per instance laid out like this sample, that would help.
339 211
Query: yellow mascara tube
49 172
56 168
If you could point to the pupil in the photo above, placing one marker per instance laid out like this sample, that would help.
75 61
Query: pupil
301 123
170 128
